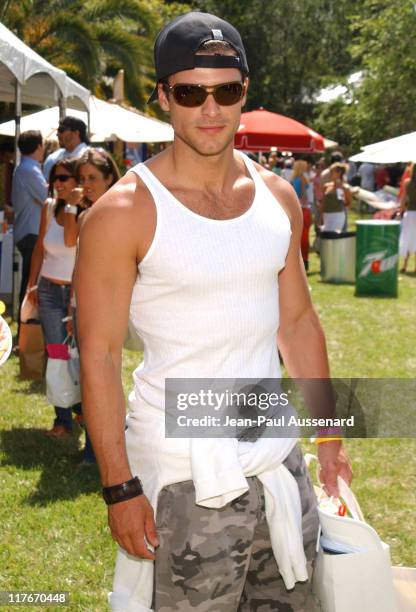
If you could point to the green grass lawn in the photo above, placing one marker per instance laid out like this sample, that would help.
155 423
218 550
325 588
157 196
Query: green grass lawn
53 521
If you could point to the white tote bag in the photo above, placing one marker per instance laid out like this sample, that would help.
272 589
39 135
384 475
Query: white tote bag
353 569
62 375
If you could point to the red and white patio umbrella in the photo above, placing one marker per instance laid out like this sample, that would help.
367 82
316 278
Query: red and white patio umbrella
260 130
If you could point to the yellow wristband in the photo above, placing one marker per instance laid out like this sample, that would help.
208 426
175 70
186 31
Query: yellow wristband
322 440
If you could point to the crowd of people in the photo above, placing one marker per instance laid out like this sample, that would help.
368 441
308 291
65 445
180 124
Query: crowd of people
50 198
325 193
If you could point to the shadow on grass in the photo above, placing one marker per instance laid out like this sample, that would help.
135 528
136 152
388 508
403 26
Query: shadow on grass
411 274
376 297
30 386
62 476
336 283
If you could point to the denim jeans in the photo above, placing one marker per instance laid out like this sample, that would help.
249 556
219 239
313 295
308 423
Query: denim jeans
53 307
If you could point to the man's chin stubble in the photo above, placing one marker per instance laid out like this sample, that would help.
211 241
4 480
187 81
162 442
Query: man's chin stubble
204 153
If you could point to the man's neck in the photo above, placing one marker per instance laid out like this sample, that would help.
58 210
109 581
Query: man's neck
72 148
205 172
35 157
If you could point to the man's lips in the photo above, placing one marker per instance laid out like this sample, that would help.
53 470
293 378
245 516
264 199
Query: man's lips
211 129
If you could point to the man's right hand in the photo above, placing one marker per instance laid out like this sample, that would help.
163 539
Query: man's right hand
132 525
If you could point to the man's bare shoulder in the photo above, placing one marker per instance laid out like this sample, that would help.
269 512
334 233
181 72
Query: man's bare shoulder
127 203
284 193
124 217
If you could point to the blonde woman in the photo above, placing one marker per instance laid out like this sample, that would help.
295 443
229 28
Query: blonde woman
300 183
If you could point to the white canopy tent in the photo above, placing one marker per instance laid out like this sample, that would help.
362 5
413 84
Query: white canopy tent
107 122
40 83
401 149
25 77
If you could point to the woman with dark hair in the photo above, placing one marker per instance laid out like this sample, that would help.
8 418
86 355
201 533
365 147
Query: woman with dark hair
408 229
52 266
96 172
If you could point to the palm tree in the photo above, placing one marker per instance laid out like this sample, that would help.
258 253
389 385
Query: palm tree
91 39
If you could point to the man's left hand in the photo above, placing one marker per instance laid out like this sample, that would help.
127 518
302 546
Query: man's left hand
334 462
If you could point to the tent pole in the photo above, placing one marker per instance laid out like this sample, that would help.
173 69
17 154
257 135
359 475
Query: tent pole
62 106
17 117
16 271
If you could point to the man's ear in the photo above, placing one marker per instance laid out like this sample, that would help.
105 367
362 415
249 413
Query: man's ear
163 98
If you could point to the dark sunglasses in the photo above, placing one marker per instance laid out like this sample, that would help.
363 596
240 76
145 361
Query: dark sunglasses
62 177
225 94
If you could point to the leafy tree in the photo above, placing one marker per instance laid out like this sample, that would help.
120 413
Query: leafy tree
294 47
383 106
91 39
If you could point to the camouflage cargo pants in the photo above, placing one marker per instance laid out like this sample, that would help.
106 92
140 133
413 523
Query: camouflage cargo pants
221 560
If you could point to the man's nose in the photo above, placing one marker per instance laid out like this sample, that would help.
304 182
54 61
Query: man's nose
210 107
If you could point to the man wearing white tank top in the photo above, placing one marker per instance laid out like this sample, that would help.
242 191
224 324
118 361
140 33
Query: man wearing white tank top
202 248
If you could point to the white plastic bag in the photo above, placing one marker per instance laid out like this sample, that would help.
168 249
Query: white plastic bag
62 375
357 576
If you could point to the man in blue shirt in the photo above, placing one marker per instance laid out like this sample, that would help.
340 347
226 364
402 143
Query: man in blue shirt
73 140
29 191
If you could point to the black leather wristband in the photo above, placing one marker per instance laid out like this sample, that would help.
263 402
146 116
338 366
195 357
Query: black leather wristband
123 492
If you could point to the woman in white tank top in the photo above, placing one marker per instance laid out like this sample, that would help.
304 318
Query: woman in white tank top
54 255
52 266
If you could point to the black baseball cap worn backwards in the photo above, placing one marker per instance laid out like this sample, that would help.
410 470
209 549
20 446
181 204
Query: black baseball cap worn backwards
177 43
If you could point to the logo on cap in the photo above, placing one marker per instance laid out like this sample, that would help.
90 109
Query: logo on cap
217 34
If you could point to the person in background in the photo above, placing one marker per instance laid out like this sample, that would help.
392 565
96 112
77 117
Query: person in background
366 173
29 191
73 140
286 173
96 172
301 185
382 177
51 146
336 198
408 209
310 175
6 177
353 177
278 166
395 171
51 270
318 192
272 160
403 179
336 157
317 182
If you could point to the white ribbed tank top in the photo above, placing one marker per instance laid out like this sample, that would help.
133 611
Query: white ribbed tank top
206 298
59 260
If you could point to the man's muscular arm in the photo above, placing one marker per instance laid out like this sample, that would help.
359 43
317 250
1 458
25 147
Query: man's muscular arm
301 339
105 273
